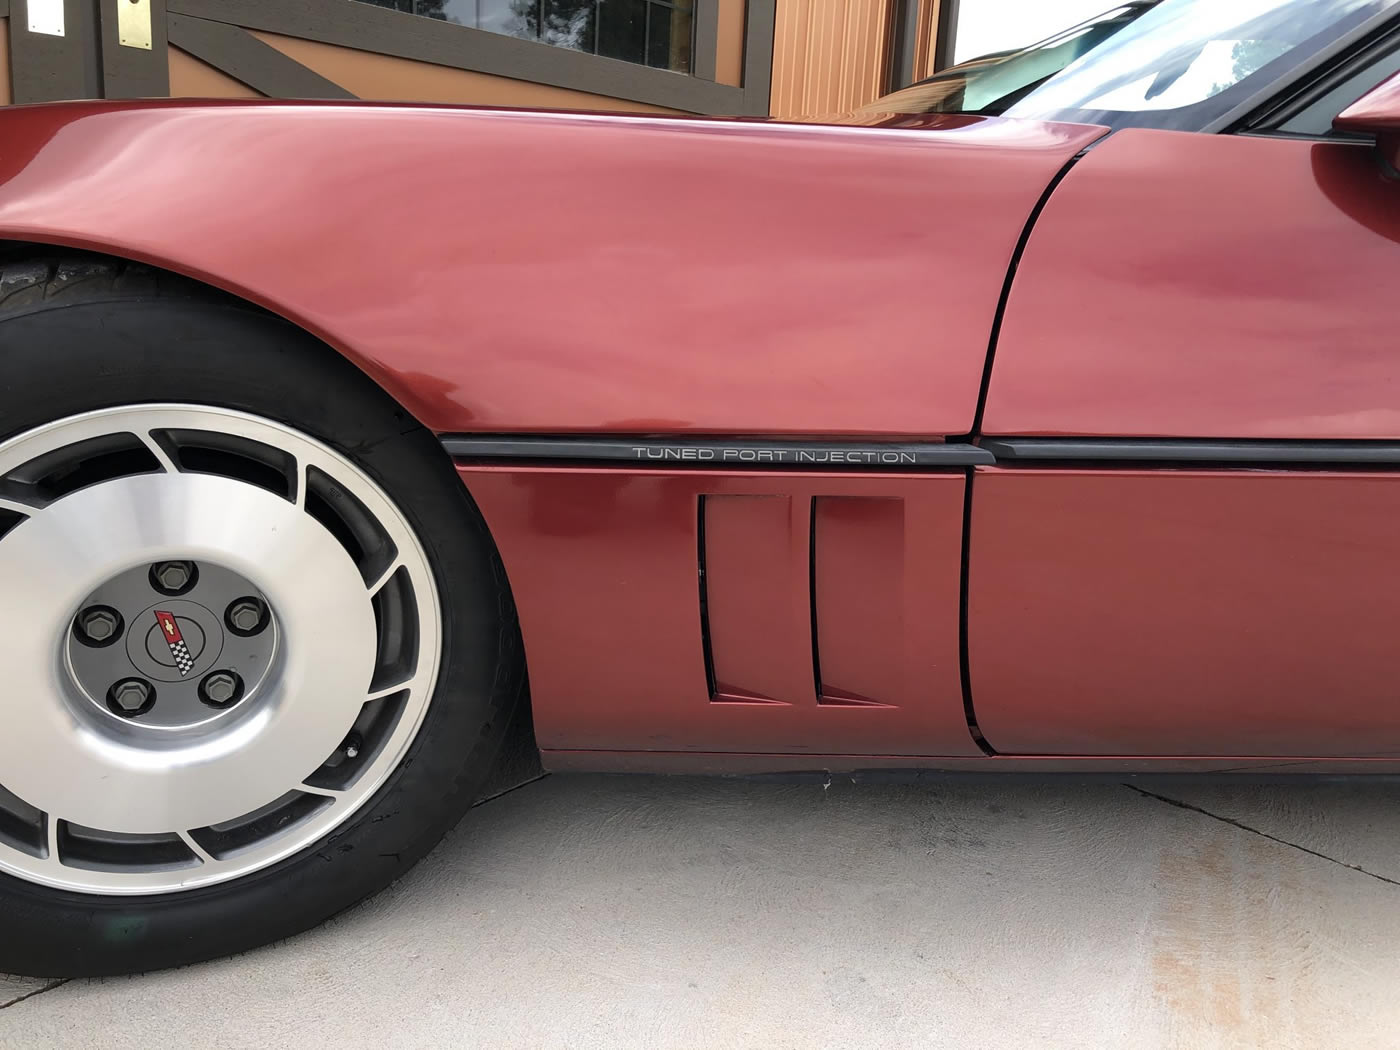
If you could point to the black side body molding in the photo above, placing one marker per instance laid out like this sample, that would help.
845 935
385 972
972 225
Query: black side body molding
907 455
715 452
1187 451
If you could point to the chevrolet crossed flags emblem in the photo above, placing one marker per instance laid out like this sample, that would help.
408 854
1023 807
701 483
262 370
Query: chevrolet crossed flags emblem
178 649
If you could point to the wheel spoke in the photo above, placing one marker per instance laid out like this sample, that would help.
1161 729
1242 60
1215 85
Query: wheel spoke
389 690
51 831
154 447
300 478
205 857
312 789
387 575
14 507
414 681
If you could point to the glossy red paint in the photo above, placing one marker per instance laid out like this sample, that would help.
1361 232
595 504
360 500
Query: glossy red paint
857 578
756 566
1206 286
1185 612
604 566
521 271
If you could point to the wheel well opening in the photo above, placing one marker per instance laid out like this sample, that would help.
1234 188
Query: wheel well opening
36 272
69 268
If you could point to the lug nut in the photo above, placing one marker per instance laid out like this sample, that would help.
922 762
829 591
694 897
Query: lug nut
221 688
131 697
99 625
174 577
246 616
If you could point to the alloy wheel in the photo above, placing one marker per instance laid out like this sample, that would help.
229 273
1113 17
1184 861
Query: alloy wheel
219 639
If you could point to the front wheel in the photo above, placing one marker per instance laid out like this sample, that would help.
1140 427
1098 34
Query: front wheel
257 648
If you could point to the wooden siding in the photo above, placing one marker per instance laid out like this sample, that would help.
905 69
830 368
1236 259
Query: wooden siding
829 56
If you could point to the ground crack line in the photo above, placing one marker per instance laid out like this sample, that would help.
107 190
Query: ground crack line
1262 834
37 991
516 787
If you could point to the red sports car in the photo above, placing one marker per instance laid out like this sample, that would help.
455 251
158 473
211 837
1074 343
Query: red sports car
1056 429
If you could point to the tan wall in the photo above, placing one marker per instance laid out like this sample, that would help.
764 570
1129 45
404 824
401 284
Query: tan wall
192 78
829 56
729 45
373 76
6 94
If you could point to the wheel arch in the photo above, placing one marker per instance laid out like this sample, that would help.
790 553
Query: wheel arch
13 249
391 383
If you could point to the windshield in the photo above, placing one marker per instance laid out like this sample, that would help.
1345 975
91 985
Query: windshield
1174 64
1187 52
990 83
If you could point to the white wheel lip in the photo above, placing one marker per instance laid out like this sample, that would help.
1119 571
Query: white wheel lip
143 421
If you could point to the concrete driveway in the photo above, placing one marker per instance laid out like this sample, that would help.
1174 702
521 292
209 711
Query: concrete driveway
649 912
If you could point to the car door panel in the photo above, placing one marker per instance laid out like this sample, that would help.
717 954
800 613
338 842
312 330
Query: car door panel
1195 285
1191 286
1185 612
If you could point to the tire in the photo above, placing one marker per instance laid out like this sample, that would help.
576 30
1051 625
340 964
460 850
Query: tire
107 343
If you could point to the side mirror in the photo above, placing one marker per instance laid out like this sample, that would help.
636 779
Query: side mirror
1377 113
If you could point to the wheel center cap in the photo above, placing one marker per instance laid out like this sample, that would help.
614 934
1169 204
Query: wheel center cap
174 641
173 661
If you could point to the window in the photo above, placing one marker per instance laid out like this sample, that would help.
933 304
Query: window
653 33
1315 118
1186 62
985 27
991 83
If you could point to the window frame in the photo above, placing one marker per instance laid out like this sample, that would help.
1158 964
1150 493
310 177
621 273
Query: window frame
365 27
1252 110
1303 92
1206 116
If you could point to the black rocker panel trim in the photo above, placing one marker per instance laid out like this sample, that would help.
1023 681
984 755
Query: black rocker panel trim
715 452
1186 451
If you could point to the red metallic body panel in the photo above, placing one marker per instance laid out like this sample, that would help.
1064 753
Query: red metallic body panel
760 620
858 566
1185 612
515 271
604 568
1207 286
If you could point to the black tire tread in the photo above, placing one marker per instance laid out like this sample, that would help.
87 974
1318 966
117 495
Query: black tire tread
26 282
